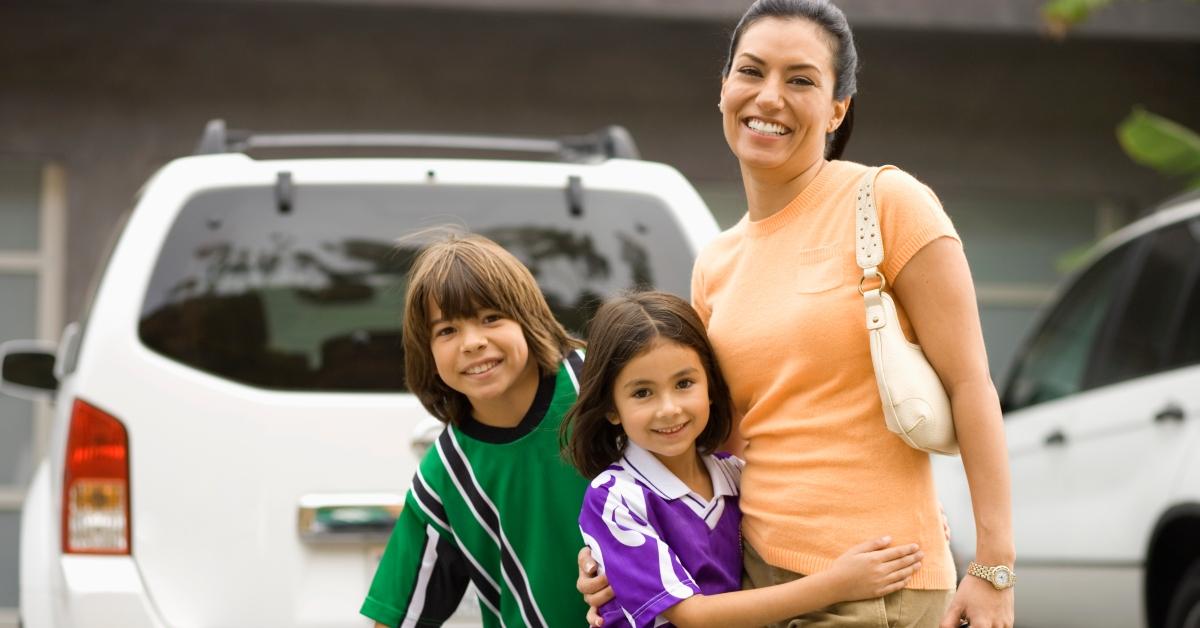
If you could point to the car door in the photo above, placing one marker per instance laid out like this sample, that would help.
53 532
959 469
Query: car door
1093 469
1041 403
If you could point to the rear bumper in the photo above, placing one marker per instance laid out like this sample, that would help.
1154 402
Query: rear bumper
105 591
74 591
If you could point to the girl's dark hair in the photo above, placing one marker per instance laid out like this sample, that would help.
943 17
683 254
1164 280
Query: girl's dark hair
841 43
622 329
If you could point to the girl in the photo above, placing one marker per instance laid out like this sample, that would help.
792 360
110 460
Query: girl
661 516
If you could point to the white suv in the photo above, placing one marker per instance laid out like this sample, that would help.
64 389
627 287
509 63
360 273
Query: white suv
1102 413
232 437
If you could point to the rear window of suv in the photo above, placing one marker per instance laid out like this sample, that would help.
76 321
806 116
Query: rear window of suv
308 296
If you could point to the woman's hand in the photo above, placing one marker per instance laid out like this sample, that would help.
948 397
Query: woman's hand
872 569
978 602
593 586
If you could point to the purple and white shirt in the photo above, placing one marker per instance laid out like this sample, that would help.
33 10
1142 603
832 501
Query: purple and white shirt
657 541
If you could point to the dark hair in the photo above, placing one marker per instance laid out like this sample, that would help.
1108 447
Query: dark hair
841 43
622 329
464 274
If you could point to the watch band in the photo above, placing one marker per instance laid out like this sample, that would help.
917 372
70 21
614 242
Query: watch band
1001 576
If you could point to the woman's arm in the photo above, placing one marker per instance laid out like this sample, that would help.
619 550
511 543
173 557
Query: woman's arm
868 570
937 294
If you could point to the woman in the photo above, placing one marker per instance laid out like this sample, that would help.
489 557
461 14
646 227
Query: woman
780 289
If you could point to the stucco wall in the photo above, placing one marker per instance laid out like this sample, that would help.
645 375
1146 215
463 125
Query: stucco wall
113 90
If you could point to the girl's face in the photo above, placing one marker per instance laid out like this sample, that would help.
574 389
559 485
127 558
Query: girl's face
662 403
777 101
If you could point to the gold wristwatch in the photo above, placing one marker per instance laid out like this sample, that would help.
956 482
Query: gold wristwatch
1000 576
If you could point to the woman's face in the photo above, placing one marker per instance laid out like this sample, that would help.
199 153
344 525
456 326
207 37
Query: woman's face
777 101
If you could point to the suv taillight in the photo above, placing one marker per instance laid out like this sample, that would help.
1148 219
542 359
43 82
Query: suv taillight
95 505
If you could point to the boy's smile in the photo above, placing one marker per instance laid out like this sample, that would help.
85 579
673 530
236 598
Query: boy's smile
485 357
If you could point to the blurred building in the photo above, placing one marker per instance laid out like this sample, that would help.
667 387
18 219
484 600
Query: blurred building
1013 129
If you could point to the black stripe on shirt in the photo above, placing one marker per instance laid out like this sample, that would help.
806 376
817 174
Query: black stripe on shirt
429 501
575 363
440 584
487 591
450 575
490 520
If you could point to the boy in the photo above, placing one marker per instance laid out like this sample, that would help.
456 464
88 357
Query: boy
492 502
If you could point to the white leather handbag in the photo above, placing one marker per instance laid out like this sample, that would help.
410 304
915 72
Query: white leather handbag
915 405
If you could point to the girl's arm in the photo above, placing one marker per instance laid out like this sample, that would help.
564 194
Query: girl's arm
936 292
868 570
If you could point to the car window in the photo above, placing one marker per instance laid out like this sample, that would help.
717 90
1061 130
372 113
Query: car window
1139 340
1054 361
310 297
1186 347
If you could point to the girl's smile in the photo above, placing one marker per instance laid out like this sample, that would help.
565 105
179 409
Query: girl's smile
662 404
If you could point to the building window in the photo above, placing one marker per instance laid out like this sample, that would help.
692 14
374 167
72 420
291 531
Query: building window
32 204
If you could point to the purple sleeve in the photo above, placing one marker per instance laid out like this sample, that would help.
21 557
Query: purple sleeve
644 572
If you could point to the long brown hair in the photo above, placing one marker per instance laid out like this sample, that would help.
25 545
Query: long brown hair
622 329
464 274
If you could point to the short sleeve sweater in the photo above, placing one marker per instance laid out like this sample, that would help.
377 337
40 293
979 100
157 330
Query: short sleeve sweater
780 300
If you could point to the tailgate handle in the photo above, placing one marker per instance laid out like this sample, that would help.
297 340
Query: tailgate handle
1056 439
348 517
1172 412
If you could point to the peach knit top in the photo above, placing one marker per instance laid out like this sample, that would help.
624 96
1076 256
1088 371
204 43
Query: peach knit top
780 300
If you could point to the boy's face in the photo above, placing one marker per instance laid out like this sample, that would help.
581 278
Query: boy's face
661 397
486 358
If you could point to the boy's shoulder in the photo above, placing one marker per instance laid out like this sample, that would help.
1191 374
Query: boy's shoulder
431 466
571 365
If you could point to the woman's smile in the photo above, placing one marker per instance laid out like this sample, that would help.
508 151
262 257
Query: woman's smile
777 99
766 127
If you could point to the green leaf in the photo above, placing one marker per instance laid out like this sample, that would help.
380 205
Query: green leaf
1162 144
1072 12
1061 15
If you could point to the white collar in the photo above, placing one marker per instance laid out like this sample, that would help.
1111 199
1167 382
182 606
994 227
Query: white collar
663 482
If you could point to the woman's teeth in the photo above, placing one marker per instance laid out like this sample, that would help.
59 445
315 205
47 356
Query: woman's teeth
766 127
482 368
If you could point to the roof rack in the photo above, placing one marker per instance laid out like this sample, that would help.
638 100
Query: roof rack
611 142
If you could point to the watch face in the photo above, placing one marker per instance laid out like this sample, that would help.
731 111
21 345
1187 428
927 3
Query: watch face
1001 577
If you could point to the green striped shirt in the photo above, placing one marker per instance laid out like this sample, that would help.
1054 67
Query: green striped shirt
494 507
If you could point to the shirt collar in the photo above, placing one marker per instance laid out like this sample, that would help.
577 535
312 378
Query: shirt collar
660 479
722 482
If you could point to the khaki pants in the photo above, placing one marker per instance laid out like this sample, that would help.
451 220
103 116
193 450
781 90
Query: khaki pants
906 608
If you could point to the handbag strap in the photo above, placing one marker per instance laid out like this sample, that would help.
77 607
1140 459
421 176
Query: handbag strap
868 250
